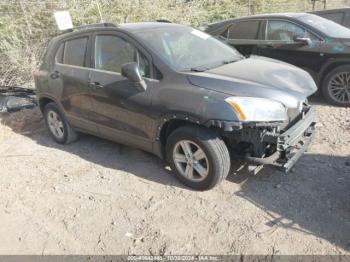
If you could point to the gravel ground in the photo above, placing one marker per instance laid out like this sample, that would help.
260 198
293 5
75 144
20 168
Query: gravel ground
99 197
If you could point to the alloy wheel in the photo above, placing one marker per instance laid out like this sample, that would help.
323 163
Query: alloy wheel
191 160
55 124
339 87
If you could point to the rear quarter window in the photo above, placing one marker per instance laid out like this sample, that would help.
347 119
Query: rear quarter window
74 51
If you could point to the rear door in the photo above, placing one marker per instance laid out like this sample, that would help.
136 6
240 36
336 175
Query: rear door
68 80
244 36
120 110
280 44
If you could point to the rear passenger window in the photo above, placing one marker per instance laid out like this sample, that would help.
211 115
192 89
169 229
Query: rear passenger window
111 52
59 54
74 51
244 30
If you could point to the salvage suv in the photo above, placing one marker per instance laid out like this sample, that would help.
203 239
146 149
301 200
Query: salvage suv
178 93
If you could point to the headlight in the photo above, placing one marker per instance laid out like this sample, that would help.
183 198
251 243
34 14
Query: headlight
252 109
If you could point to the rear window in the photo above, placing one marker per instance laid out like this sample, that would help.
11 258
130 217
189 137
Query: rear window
74 51
244 30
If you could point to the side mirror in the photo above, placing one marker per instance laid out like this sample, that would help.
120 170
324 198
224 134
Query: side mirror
132 72
302 40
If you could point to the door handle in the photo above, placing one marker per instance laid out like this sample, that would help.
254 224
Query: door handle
95 85
98 86
55 75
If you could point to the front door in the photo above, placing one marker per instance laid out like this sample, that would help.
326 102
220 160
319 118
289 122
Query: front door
120 109
280 43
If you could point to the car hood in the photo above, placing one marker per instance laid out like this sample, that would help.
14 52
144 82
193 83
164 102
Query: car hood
258 77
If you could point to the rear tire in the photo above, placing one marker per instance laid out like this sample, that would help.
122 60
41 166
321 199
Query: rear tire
336 86
198 156
58 126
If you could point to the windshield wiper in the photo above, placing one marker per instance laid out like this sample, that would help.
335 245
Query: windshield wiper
225 62
205 68
199 69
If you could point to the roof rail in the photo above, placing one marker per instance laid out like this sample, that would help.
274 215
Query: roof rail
82 27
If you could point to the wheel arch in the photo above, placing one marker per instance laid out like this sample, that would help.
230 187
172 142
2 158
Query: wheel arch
169 124
43 101
331 66
339 99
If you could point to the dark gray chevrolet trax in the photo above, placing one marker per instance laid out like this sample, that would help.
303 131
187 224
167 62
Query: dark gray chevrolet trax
178 93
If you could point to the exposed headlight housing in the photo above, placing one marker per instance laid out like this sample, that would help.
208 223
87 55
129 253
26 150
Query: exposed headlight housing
253 109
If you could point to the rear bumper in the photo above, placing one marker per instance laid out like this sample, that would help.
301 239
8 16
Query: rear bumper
290 145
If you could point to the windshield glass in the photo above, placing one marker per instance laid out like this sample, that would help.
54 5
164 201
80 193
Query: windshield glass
184 48
326 26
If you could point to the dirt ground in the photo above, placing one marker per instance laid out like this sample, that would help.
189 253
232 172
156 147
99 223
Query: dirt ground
99 197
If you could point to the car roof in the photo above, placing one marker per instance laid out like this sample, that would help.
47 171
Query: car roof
262 16
126 27
132 27
219 27
274 15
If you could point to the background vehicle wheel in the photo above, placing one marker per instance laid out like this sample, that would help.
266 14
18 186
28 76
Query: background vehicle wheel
58 126
336 86
198 156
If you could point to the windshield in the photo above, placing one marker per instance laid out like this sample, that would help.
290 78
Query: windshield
326 26
184 48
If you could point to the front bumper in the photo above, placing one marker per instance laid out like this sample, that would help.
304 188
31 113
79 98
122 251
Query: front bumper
290 145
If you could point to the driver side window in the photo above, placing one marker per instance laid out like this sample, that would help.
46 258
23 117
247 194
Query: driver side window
286 31
111 52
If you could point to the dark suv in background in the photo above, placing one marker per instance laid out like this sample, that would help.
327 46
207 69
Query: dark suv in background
157 87
340 16
315 44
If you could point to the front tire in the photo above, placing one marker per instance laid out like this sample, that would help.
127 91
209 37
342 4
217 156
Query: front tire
198 156
336 86
58 126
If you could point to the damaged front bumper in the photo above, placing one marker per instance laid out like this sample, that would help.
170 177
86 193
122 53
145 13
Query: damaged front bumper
289 145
